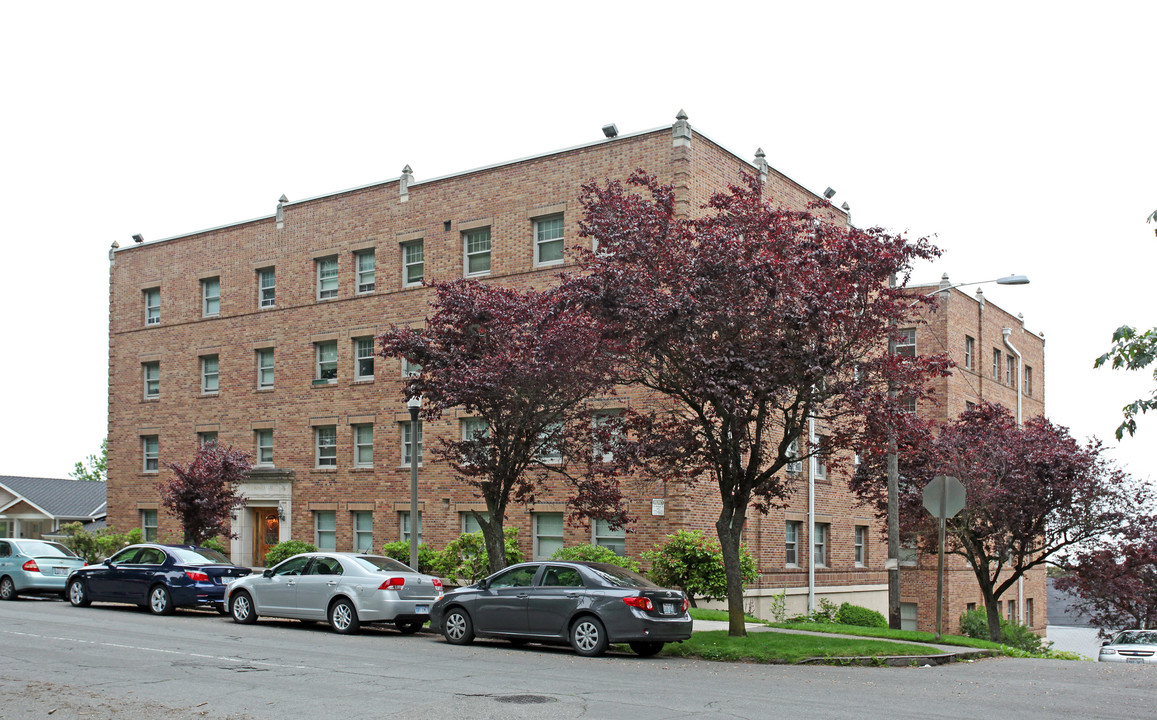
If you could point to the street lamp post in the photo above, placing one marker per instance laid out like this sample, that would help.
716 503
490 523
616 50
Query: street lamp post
415 404
892 564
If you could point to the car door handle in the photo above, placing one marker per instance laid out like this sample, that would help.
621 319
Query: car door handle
572 595
291 583
522 596
331 583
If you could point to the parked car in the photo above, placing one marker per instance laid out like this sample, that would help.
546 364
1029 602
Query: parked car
589 605
34 567
344 589
159 577
1130 646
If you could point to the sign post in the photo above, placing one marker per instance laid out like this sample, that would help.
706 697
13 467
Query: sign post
943 497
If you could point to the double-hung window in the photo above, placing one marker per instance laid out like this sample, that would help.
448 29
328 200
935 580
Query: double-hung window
413 263
325 529
1010 372
211 297
404 525
206 439
266 287
408 442
820 544
363 445
409 368
363 531
548 534
153 306
363 358
265 369
613 540
152 375
210 376
969 349
819 459
906 342
326 278
861 545
264 447
548 240
149 525
149 451
996 364
326 353
326 438
791 543
470 524
794 465
477 244
366 271
550 444
1027 380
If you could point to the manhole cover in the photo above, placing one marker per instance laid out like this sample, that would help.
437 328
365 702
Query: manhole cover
525 699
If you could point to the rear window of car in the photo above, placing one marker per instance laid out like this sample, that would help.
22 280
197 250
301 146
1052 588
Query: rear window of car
200 556
378 563
620 577
39 548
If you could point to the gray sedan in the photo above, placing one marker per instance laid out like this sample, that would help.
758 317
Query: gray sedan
34 567
1131 646
346 589
588 605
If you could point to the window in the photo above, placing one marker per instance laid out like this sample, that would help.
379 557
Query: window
996 364
606 429
404 524
613 540
906 342
550 444
820 544
469 524
791 543
152 373
1028 619
819 459
363 532
326 353
363 445
265 369
326 278
412 263
210 297
266 287
1027 383
325 529
264 447
908 404
548 534
548 240
409 368
909 553
366 265
477 244
149 525
149 451
473 428
969 346
970 607
796 465
861 545
407 441
209 374
908 616
363 359
326 436
1010 371
153 306
1012 611
205 439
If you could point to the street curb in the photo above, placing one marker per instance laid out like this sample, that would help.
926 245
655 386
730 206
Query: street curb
902 660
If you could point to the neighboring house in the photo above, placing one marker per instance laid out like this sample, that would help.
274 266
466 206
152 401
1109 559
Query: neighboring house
37 507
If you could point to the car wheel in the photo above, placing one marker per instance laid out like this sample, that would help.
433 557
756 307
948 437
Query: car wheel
588 637
77 595
409 627
646 649
7 588
343 617
160 601
457 628
242 610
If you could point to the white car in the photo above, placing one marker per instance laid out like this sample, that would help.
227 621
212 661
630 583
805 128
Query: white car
1131 646
344 589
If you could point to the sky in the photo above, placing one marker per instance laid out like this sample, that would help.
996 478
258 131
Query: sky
1019 135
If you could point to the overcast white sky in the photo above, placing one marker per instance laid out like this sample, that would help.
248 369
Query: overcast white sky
1021 134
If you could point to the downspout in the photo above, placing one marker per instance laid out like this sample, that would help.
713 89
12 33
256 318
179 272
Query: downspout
811 518
1019 389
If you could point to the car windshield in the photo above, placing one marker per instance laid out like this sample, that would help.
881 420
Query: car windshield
200 556
41 549
380 564
620 577
1136 637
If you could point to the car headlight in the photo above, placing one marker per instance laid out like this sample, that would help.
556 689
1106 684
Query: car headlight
1108 651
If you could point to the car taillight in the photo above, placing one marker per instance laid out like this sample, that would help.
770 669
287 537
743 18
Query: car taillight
392 584
438 584
686 604
30 566
642 603
196 576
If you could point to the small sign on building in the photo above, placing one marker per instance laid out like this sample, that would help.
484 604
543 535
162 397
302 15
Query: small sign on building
658 506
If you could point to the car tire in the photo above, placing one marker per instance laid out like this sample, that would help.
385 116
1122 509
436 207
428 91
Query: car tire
242 610
160 600
457 627
409 627
7 588
646 649
588 637
343 617
78 594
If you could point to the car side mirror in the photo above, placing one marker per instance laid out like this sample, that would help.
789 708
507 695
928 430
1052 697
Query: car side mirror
1105 643
484 584
268 572
107 562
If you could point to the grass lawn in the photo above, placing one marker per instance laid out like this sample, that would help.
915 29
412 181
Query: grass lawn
720 615
887 633
773 647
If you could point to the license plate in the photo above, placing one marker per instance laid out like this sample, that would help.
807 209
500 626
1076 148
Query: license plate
668 608
1139 661
59 571
422 609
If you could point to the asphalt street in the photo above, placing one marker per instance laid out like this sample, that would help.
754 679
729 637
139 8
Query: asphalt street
117 661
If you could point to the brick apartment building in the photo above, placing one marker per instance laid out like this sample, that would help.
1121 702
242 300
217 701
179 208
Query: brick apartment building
261 335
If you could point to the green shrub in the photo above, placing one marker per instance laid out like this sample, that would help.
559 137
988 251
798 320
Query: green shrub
97 546
826 612
400 551
466 558
287 549
216 544
693 563
974 624
850 614
594 553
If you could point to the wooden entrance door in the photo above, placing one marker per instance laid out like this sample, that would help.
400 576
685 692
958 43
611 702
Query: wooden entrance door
266 530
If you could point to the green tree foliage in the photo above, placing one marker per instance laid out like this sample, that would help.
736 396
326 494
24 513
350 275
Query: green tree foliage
400 551
594 553
693 563
94 467
974 624
287 549
97 546
1132 351
465 559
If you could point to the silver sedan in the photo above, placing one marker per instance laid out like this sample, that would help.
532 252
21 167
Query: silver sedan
345 589
1131 646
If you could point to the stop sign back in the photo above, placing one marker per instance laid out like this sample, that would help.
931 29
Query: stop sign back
948 489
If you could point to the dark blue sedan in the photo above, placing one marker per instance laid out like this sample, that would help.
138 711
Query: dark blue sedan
159 577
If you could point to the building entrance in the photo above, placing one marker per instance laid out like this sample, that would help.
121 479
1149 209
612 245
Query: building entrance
266 530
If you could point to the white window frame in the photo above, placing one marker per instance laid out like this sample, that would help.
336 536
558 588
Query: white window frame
365 263
906 342
211 297
404 434
409 368
1028 380
549 455
819 459
996 364
795 465
472 248
323 366
148 525
969 351
263 439
266 374
363 351
544 229
539 535
363 536
467 517
404 526
210 374
267 293
325 446
152 379
861 545
152 309
413 256
327 277
820 535
326 529
1010 370
614 540
363 445
791 533
204 438
597 420
150 453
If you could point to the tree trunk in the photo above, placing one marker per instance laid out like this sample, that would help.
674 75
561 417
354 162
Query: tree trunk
992 612
493 536
729 543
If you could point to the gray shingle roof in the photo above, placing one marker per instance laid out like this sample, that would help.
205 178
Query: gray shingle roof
59 497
